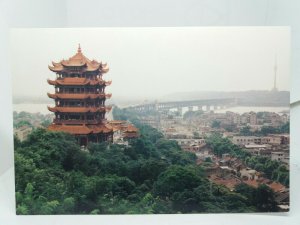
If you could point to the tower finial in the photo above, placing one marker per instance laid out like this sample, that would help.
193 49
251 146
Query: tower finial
275 74
79 48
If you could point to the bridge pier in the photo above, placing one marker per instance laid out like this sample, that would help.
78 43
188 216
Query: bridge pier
179 110
200 107
201 104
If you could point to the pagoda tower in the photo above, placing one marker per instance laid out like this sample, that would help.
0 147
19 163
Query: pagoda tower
80 99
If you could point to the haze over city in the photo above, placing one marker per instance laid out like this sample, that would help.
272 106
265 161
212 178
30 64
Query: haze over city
199 121
154 62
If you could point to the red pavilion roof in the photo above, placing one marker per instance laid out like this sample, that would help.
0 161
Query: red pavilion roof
130 135
79 60
78 81
81 129
131 128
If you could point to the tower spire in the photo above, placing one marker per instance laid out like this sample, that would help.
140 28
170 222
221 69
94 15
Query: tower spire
275 74
79 48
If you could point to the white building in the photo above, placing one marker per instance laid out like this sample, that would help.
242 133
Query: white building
22 132
246 140
279 156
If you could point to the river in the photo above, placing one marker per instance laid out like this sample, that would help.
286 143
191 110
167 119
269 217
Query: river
42 108
243 109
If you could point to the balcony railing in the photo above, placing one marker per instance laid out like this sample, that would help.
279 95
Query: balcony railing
76 106
60 121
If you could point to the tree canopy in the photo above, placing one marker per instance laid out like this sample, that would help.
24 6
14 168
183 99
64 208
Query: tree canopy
151 175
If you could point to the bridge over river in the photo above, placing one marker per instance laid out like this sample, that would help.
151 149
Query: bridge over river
203 103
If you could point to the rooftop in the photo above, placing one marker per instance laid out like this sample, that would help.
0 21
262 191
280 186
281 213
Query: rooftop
81 129
79 60
255 146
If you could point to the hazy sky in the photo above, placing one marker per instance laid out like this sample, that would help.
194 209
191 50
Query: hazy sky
153 62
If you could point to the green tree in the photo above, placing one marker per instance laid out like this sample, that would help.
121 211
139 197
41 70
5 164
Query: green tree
151 175
245 131
176 179
264 199
216 124
247 191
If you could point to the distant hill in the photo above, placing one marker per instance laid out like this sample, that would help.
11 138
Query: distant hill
32 100
120 101
244 98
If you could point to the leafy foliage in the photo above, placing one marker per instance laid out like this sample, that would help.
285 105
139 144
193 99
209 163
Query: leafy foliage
216 124
262 197
28 119
151 175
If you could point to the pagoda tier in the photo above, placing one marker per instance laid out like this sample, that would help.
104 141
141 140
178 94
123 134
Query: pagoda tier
82 129
78 96
71 81
80 99
79 109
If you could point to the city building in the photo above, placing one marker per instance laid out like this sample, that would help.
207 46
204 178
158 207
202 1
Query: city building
193 145
280 156
280 139
22 132
262 150
252 118
272 139
245 140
